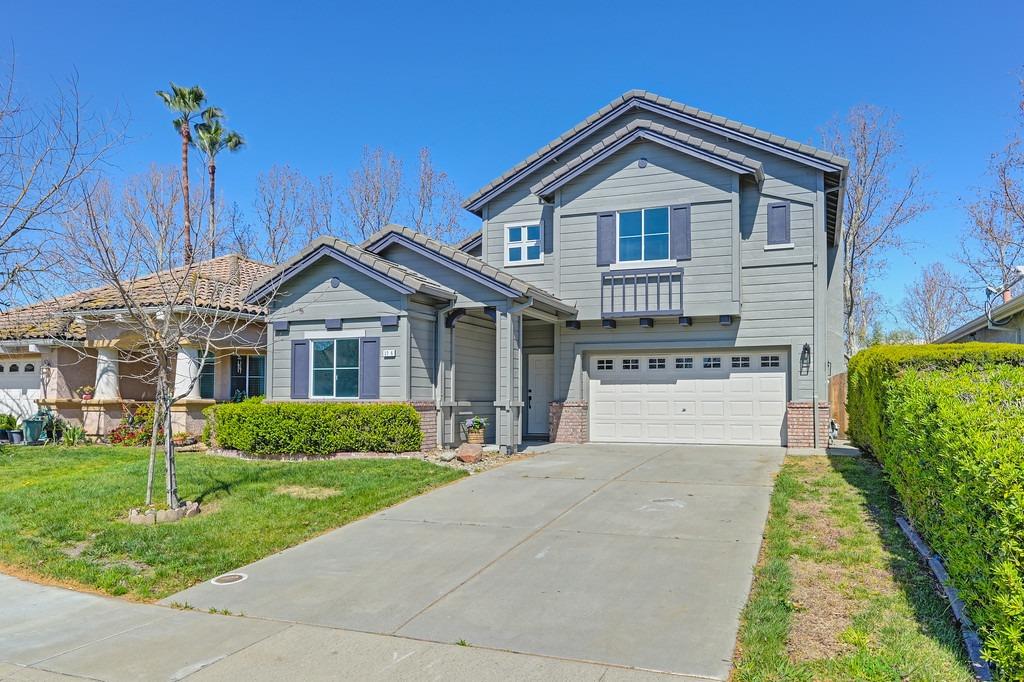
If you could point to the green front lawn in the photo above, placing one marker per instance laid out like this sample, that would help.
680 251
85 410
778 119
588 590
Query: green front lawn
839 593
63 512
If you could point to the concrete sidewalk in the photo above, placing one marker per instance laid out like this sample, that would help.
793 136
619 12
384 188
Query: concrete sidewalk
53 633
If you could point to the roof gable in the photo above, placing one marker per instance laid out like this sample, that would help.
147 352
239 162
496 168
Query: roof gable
643 100
652 132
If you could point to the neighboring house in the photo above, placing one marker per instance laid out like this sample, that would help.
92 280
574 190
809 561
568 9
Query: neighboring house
655 274
51 349
1007 325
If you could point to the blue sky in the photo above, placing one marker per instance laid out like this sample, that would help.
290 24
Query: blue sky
484 84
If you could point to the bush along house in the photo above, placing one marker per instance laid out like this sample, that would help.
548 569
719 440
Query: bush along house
655 274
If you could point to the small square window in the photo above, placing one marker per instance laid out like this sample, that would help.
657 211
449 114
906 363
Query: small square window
712 362
631 363
605 365
741 361
770 361
524 244
655 363
684 363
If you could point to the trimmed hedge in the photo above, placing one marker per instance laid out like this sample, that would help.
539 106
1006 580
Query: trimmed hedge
870 370
947 425
312 429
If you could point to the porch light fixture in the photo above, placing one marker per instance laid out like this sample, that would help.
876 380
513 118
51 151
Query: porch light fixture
572 324
805 354
608 324
685 321
647 322
725 320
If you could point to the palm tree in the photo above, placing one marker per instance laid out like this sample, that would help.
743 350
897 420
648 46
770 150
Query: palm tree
211 139
186 102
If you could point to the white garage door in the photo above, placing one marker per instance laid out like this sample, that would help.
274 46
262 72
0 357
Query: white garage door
19 387
701 397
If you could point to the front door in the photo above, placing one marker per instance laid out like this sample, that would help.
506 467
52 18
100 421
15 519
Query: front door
540 391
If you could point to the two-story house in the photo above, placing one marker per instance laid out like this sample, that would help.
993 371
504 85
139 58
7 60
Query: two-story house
655 274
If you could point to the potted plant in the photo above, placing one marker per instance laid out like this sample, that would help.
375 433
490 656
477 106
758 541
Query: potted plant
183 438
16 435
86 392
7 423
475 428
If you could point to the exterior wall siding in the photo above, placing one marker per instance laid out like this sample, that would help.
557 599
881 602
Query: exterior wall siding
473 354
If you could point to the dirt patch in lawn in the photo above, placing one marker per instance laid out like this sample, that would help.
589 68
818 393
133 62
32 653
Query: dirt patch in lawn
822 611
302 492
817 523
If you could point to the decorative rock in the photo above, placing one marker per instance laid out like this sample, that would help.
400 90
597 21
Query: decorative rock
170 515
447 455
147 518
469 453
191 509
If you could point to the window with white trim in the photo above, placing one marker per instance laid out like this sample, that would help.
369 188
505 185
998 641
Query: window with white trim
335 368
605 365
712 362
771 361
248 376
643 235
207 376
740 361
684 363
631 363
524 244
655 363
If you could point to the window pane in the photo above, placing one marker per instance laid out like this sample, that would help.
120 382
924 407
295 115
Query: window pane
237 387
323 380
533 232
347 383
533 253
656 221
629 248
237 366
256 387
656 247
630 224
323 354
257 363
348 353
515 254
206 378
515 234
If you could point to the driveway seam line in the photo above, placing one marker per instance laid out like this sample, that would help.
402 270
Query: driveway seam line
97 641
238 651
530 536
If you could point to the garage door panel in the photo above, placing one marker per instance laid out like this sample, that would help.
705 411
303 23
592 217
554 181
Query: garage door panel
689 405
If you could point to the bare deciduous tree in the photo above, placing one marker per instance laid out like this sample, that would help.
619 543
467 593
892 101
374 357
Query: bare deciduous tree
436 203
878 203
164 301
281 209
373 191
47 151
932 305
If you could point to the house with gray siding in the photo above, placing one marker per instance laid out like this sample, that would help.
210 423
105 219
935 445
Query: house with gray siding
656 273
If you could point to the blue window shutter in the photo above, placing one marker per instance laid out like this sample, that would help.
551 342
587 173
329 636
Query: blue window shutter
300 369
778 223
680 229
369 368
606 239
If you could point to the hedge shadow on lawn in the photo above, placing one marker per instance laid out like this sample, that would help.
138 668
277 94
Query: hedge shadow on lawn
912 577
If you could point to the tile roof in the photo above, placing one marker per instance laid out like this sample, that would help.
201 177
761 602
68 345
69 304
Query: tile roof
381 266
643 96
646 126
475 264
219 283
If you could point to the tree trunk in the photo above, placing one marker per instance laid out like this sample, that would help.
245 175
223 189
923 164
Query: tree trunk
152 453
172 475
213 208
186 137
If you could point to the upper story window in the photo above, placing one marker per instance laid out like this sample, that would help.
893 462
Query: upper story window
523 244
335 368
779 235
643 235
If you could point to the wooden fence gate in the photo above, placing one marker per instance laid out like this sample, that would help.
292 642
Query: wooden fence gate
837 401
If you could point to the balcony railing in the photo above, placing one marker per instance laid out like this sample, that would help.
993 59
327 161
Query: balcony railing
637 293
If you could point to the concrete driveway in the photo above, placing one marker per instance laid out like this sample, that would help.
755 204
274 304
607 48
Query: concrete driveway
635 556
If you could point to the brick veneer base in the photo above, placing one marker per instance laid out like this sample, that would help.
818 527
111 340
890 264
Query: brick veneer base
800 425
570 421
428 424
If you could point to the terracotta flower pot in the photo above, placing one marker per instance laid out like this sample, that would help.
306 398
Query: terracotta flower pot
475 436
87 396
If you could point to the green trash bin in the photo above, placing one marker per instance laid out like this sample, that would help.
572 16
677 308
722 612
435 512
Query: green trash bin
33 428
